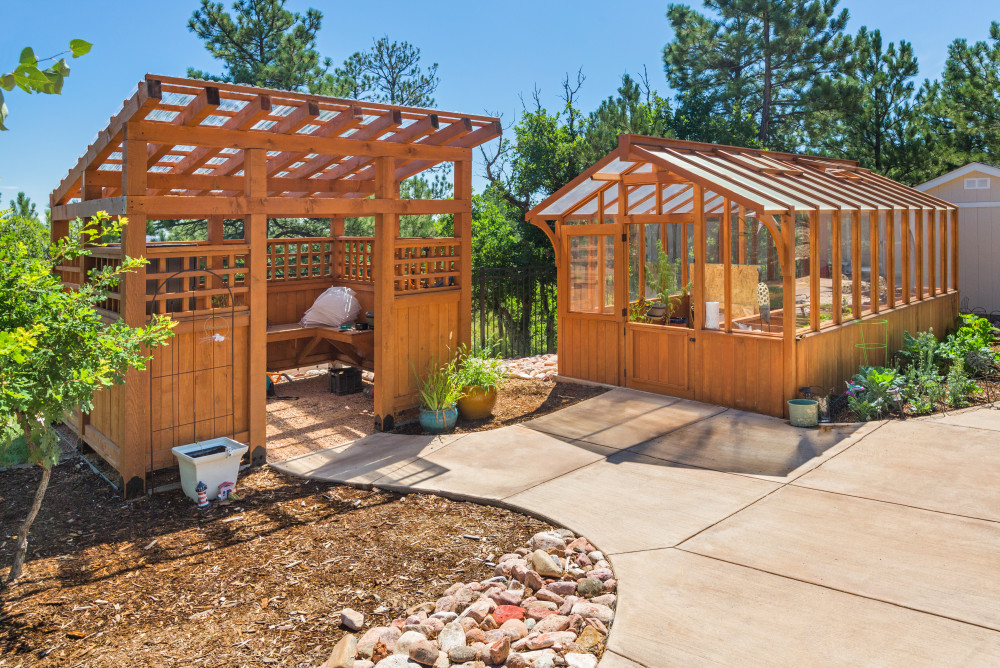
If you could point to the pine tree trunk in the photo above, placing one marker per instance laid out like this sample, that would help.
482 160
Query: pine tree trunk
765 114
22 538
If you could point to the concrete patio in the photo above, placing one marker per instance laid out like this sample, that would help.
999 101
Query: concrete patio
737 539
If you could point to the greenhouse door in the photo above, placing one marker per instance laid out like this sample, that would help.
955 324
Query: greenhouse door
660 358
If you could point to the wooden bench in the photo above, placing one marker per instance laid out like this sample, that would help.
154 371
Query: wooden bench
357 346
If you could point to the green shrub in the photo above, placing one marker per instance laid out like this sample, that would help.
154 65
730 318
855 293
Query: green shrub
972 344
484 370
440 387
914 348
874 392
960 386
923 387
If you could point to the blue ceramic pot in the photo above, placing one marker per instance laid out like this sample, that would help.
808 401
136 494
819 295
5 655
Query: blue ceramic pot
438 422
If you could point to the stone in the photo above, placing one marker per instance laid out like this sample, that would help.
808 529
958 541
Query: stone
552 623
445 604
445 617
479 610
581 544
468 624
450 591
515 661
543 657
582 560
550 596
453 635
533 580
545 564
435 626
595 610
538 614
507 612
529 623
442 661
363 663
567 606
544 605
475 635
422 629
610 585
590 639
489 623
406 641
596 555
420 608
562 587
415 619
462 654
365 650
576 660
384 634
523 551
545 540
605 599
424 652
601 574
397 661
352 619
552 639
343 653
499 651
516 628
507 597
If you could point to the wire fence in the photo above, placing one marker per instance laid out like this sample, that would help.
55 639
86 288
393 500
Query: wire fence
514 310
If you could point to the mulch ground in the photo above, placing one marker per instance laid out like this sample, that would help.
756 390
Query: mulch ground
156 582
306 417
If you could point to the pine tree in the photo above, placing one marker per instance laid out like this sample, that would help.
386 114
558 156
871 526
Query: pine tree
262 44
771 60
389 72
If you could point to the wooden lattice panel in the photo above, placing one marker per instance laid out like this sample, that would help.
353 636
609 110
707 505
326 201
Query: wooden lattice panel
292 259
422 265
354 258
196 279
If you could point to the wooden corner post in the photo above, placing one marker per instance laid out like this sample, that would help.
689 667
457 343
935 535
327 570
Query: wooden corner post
788 307
135 418
386 231
255 232
463 231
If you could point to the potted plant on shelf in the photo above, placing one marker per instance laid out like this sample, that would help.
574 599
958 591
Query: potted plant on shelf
440 391
663 282
479 377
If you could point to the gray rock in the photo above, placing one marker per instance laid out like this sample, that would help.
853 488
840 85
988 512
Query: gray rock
462 654
406 641
546 540
343 653
605 599
577 660
545 564
397 661
445 616
589 587
352 619
452 636
424 652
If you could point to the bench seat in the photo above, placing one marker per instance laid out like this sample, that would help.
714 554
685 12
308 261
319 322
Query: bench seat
356 347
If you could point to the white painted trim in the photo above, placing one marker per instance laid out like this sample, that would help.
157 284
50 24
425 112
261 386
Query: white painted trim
958 173
977 205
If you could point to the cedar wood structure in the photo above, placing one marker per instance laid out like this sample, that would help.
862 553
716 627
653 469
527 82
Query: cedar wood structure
186 149
803 257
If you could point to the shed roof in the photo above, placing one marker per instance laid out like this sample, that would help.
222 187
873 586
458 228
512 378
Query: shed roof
764 181
959 172
208 112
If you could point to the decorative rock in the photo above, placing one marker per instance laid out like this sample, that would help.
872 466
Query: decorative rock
533 579
343 653
435 626
468 624
489 623
583 560
546 540
590 639
503 613
363 663
516 628
406 641
575 660
589 587
453 635
552 639
523 551
422 629
499 651
462 654
552 623
475 635
595 610
562 588
397 661
479 610
424 653
544 605
515 661
596 556
445 617
550 596
545 564
601 574
581 544
384 634
352 619
529 623
445 604
610 585
605 599
538 614
507 597
379 652
442 661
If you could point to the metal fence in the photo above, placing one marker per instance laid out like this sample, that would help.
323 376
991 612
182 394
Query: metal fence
514 310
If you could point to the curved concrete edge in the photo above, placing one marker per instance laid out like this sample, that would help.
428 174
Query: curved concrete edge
609 659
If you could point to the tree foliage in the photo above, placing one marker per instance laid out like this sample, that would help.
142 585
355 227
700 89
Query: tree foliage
771 60
31 78
260 43
55 350
388 72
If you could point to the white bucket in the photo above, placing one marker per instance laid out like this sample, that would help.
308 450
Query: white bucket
220 464
711 315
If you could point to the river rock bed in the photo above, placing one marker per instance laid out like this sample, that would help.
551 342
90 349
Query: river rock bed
551 603
536 367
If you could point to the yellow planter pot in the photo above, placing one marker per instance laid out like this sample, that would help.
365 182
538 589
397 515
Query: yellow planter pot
478 402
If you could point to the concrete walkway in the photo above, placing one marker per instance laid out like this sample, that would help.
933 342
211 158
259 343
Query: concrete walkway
737 539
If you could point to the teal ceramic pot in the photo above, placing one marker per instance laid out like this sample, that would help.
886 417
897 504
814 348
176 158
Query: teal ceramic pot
438 422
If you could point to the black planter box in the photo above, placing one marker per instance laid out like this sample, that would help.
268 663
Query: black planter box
345 381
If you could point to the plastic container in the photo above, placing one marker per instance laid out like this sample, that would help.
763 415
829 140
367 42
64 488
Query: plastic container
438 422
803 412
345 380
212 462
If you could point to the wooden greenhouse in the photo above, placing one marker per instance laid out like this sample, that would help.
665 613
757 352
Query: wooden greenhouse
186 149
737 276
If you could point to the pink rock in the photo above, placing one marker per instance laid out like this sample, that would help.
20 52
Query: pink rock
507 597
602 574
489 623
435 625
533 580
551 623
450 591
576 623
562 588
583 560
499 650
398 624
467 624
479 610
385 634
610 585
445 604
555 639
581 544
475 635
593 610
550 596
514 627
539 614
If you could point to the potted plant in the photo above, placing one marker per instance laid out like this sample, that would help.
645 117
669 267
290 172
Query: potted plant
661 278
479 377
440 391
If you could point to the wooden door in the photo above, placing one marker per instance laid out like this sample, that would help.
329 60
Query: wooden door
660 359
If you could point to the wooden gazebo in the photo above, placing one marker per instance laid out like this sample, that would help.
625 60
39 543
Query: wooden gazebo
186 149
799 269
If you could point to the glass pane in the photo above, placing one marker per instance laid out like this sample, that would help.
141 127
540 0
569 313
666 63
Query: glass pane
608 272
847 266
865 278
883 261
944 263
583 274
756 282
654 249
802 270
911 242
897 255
635 268
825 269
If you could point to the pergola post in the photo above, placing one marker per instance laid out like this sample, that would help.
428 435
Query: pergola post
386 231
463 232
255 232
700 252
791 376
135 417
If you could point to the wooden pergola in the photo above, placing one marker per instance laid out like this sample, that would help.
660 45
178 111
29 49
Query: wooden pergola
187 149
800 268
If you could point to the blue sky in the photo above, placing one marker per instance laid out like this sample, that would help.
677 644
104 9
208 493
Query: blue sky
488 54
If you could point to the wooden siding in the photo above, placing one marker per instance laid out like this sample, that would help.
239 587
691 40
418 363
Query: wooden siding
659 359
954 191
589 348
424 331
739 371
828 358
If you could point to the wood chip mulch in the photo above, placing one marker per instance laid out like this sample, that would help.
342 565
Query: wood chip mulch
156 582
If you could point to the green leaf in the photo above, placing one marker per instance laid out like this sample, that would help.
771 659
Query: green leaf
3 113
28 57
7 81
79 47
